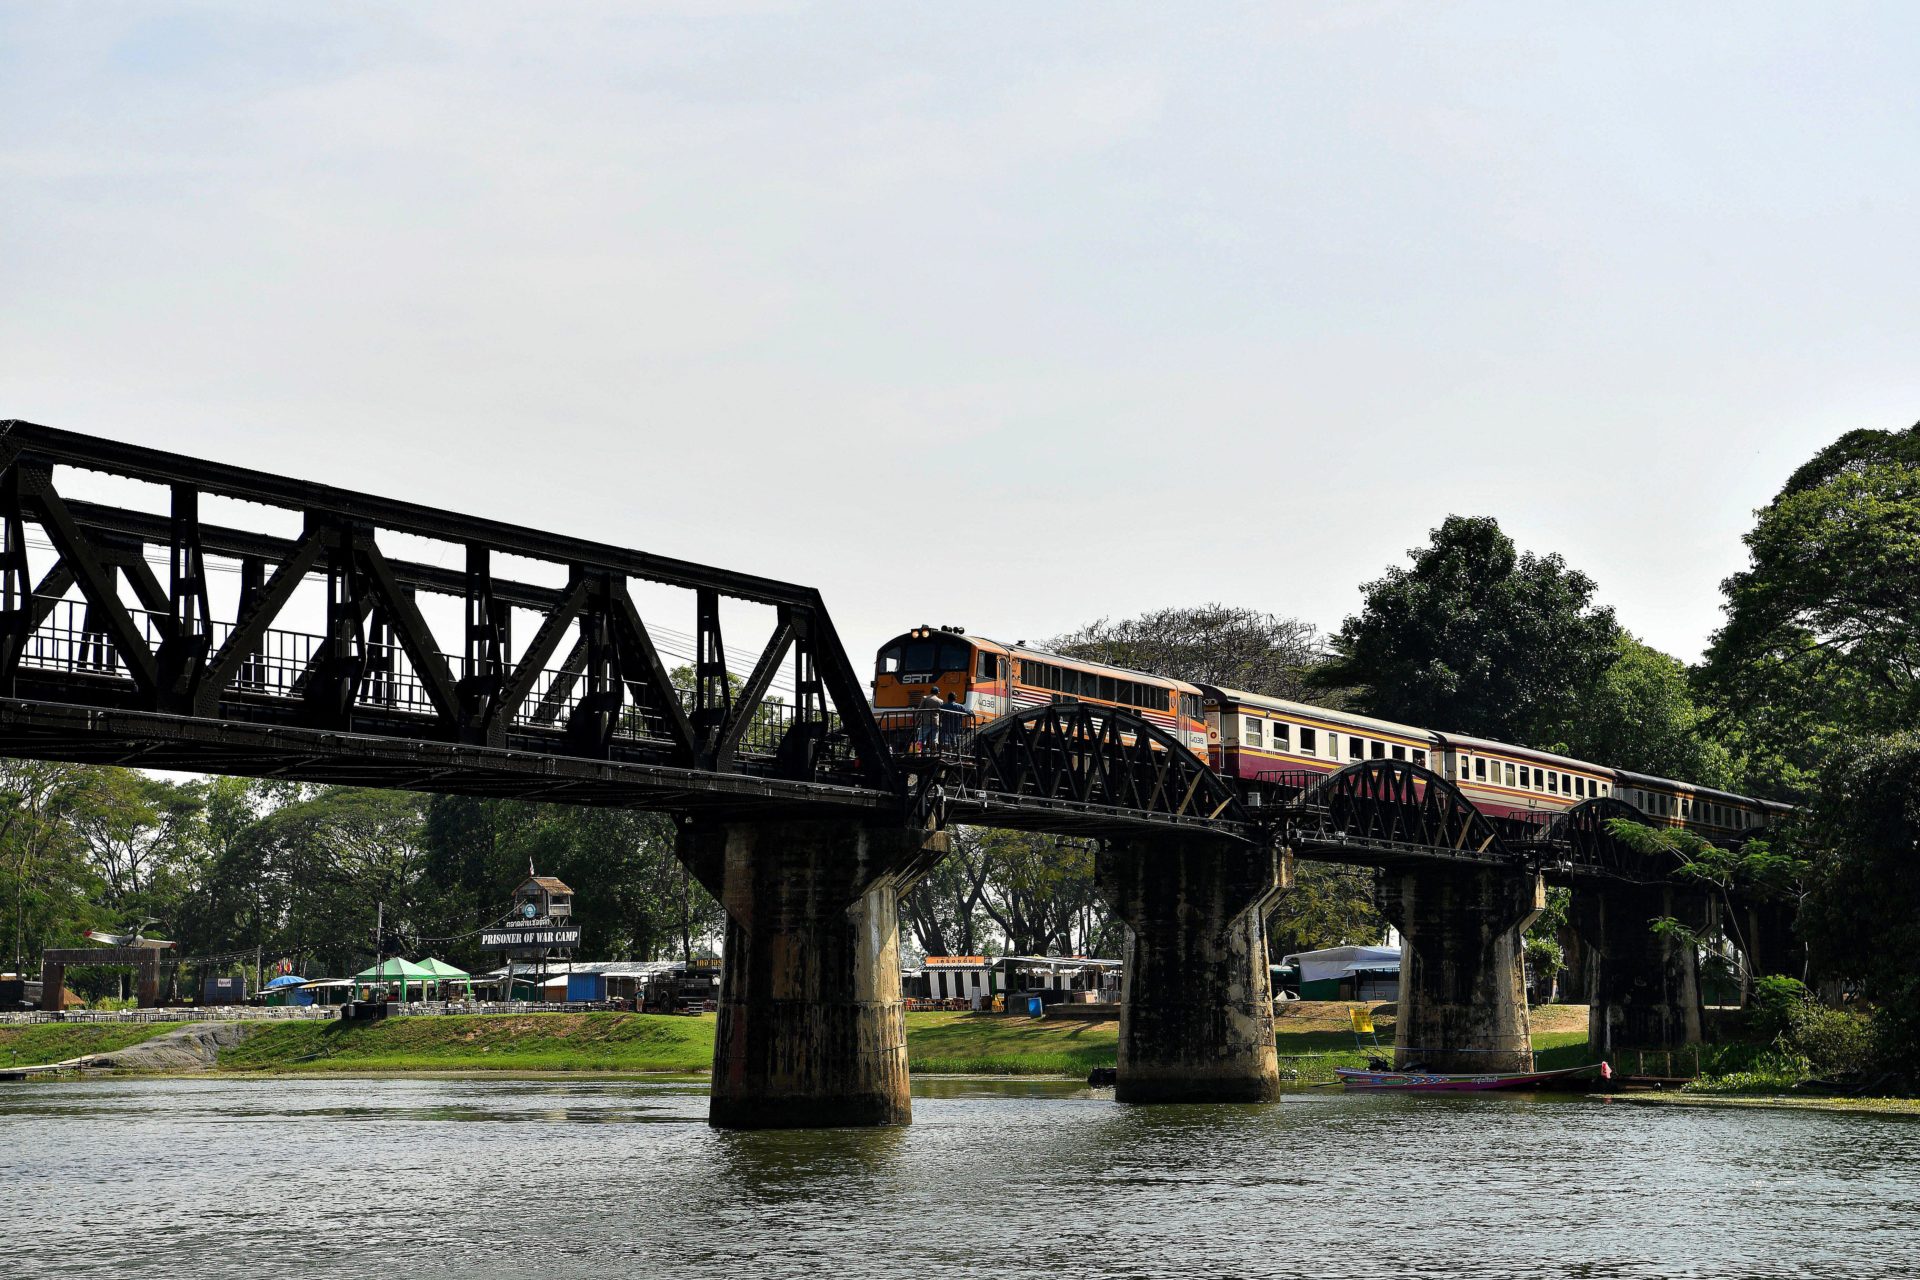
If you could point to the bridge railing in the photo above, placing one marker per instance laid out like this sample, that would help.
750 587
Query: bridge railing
283 663
929 733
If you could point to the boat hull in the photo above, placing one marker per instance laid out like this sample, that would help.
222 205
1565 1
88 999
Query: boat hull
1440 1082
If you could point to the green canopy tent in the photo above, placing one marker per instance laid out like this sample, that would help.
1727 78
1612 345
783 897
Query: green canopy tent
396 970
444 972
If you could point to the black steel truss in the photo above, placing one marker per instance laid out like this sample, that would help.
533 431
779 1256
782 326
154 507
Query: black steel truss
1578 842
100 629
1381 812
102 660
1073 766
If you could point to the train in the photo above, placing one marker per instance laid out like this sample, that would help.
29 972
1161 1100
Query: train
1264 742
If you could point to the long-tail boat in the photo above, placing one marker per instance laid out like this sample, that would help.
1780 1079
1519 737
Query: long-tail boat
1415 1080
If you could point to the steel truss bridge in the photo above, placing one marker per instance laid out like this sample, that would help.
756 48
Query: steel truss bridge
373 642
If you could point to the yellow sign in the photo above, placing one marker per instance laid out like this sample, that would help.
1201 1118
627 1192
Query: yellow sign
1362 1021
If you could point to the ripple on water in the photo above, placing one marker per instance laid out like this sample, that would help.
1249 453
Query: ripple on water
577 1178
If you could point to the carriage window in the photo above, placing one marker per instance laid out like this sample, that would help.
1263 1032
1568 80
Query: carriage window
1420 757
987 667
1399 753
1480 768
1306 741
1250 731
1280 734
1508 770
1356 748
1553 784
1190 706
1566 784
1526 777
1379 750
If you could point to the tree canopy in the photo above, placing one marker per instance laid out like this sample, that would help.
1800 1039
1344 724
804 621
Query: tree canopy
1220 644
1642 716
1861 915
1822 638
1476 637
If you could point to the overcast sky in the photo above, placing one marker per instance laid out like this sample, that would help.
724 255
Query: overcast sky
1010 316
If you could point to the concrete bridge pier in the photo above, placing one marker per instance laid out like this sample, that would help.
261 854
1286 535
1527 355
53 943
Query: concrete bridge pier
1643 987
1196 1013
812 1032
1463 993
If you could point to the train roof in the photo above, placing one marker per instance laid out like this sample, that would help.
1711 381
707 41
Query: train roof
1648 780
1028 651
1241 697
1529 753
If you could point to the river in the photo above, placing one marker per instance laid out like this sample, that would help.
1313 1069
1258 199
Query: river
404 1178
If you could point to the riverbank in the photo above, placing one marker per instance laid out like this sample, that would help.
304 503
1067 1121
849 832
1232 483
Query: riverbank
1777 1102
38 1045
1312 1039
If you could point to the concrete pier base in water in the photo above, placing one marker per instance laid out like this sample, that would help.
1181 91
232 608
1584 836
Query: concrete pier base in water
1463 994
812 1031
1196 1013
1643 986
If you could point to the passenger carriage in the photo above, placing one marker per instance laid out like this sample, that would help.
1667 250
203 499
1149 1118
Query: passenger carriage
1717 815
1260 739
1519 783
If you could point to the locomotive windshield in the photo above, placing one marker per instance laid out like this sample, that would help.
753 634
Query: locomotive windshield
923 657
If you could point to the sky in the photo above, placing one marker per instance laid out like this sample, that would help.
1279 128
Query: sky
1010 316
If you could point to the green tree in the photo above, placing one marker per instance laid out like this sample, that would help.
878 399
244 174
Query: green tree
1642 716
1205 644
1476 637
943 913
1755 869
1545 955
1822 638
50 893
1039 891
140 835
1861 915
1328 906
330 858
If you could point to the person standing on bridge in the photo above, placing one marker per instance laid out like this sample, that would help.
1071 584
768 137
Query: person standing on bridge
931 712
953 719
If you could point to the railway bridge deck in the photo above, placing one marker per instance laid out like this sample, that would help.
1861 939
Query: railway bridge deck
307 632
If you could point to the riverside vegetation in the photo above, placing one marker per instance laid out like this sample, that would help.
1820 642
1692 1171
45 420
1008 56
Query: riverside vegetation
1312 1040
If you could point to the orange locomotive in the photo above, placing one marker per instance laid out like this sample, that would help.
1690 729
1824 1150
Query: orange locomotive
991 679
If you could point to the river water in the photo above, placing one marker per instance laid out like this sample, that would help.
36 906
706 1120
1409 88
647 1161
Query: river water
402 1178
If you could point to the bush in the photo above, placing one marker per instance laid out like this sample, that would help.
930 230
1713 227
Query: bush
1774 1001
1833 1042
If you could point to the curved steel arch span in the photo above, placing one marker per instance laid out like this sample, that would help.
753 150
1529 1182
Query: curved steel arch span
1375 808
1581 836
1083 757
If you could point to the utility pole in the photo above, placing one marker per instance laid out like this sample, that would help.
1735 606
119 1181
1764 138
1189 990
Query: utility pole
380 942
256 968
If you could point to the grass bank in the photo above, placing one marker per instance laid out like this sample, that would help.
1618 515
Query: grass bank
517 1042
989 1044
37 1045
1312 1039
